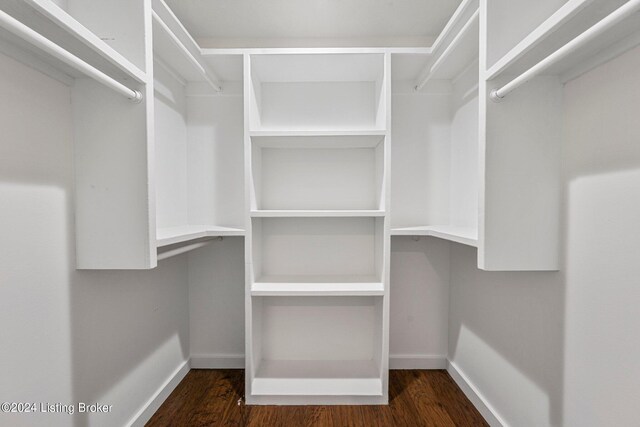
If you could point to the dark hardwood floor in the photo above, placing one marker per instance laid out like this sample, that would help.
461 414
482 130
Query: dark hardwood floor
416 398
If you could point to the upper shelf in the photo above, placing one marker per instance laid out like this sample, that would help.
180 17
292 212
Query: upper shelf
177 49
52 22
569 21
456 47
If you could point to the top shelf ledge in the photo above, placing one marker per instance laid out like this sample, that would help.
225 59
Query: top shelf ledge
569 21
54 23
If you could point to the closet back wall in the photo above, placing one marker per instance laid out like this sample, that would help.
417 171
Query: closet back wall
108 336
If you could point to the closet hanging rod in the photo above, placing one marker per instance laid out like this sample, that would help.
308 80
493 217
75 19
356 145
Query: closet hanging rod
601 26
176 41
16 27
182 249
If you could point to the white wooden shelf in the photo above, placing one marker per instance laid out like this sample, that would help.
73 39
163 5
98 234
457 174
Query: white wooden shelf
51 21
172 235
316 213
317 378
317 285
318 132
465 235
177 49
456 47
462 51
574 17
318 139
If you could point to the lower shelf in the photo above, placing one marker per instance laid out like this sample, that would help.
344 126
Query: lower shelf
465 235
317 378
184 233
317 285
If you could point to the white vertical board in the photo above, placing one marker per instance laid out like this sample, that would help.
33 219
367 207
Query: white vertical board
520 192
114 152
114 209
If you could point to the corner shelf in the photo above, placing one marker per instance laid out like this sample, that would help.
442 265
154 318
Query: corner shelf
465 235
317 378
317 285
457 46
184 233
177 49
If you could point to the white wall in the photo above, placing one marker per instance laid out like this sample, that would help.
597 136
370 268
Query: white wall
216 304
215 158
562 348
171 153
419 302
68 336
420 153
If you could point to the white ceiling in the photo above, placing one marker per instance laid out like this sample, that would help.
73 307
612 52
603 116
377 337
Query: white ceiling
293 23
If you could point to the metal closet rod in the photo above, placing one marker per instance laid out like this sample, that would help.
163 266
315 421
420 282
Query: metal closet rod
16 27
603 25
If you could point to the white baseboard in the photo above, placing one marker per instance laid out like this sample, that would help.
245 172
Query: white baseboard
473 394
396 361
146 412
417 361
217 361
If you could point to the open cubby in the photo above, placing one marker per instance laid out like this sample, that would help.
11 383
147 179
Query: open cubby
316 346
435 158
317 172
312 251
329 91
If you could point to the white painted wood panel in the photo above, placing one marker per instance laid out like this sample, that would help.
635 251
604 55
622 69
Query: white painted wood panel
115 212
520 191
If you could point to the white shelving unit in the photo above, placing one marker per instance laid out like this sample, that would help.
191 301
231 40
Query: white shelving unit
316 160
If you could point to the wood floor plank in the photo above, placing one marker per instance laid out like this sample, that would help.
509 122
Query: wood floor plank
417 398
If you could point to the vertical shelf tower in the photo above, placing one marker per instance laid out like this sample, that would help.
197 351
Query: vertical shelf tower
317 136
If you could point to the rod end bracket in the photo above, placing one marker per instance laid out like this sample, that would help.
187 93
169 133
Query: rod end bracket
493 95
137 97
